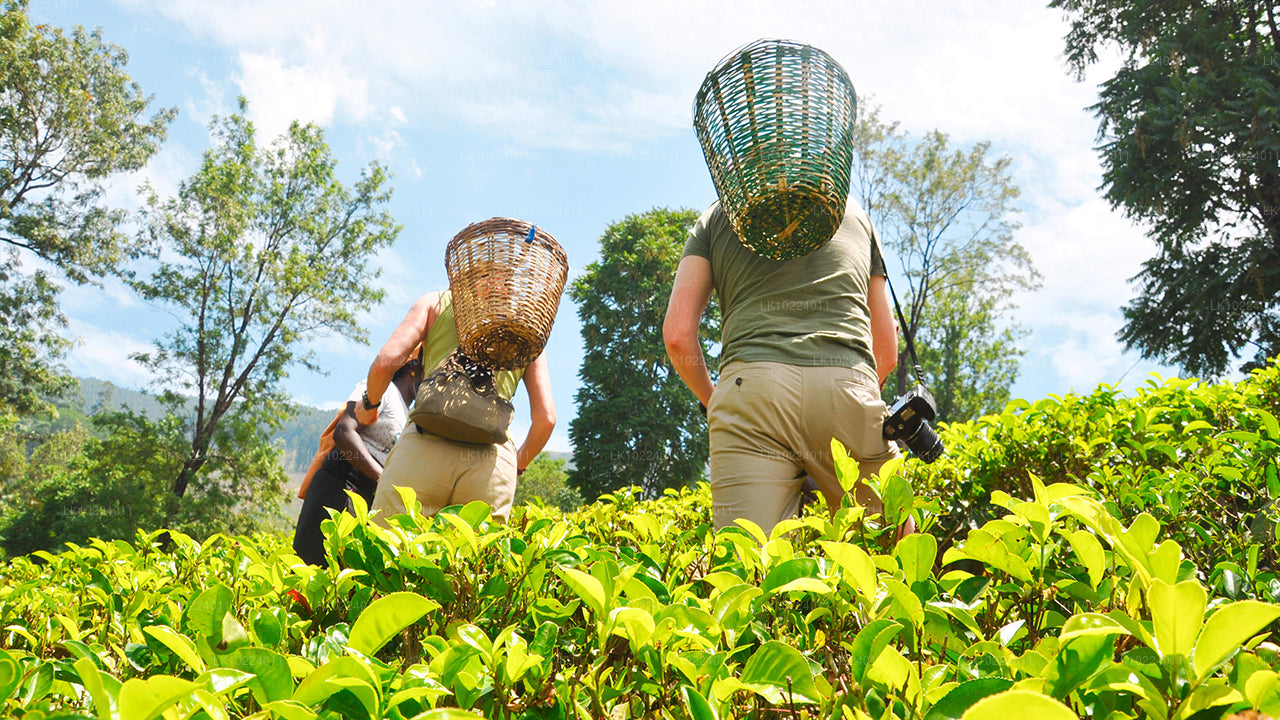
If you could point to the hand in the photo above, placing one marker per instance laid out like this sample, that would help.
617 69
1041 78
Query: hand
366 417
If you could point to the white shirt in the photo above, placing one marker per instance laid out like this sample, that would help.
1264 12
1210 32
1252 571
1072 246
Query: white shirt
393 415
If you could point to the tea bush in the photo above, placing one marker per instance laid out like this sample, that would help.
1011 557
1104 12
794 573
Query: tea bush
1061 584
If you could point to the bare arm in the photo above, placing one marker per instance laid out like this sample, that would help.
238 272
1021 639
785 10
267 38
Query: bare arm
348 442
542 411
690 293
396 351
884 331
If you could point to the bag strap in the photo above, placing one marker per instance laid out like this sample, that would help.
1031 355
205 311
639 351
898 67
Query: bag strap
906 332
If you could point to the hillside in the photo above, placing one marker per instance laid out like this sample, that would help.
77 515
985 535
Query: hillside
298 437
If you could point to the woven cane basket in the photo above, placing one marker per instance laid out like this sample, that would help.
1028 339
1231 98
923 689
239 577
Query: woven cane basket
775 120
506 277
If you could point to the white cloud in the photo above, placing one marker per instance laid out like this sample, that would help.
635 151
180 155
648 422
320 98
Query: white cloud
104 354
580 74
280 92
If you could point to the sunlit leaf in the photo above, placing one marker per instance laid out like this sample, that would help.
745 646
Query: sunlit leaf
385 618
781 675
1018 703
1176 614
1227 629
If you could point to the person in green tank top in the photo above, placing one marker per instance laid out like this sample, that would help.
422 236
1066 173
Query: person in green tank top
806 345
445 472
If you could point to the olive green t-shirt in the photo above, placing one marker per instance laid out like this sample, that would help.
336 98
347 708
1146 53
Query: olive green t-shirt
810 311
442 340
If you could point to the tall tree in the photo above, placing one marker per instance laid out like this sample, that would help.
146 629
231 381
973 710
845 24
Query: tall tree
637 424
546 479
260 249
946 217
1190 145
70 118
969 356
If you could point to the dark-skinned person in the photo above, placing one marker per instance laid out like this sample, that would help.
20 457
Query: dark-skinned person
357 459
443 471
806 345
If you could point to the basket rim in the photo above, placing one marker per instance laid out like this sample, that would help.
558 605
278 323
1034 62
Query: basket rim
542 238
765 41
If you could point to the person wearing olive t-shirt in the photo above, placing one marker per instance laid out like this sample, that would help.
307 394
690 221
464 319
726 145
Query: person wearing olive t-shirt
806 345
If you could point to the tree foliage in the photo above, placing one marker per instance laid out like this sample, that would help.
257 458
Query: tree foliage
946 216
70 118
637 424
969 356
1189 133
260 249
546 480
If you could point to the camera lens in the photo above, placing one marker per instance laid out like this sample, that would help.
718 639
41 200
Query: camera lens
925 443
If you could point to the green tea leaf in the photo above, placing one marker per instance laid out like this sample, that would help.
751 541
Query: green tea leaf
780 674
205 613
987 548
1262 690
788 571
267 627
1090 624
1089 551
179 645
868 645
697 705
289 710
1165 560
962 697
385 618
475 512
1018 704
37 684
1078 660
898 499
856 562
905 602
586 587
272 679
917 553
1227 629
1176 614
148 699
634 624
10 675
104 689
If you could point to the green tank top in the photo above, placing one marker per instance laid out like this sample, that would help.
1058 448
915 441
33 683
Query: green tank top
442 339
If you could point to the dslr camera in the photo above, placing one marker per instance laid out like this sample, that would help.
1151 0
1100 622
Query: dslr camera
908 423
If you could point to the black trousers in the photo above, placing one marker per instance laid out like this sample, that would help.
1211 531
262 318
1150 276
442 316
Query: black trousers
328 491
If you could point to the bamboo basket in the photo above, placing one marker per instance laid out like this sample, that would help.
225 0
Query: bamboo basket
775 120
506 277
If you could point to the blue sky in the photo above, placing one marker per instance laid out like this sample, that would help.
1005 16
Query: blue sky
573 115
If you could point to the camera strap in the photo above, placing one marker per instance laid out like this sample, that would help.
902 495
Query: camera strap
906 331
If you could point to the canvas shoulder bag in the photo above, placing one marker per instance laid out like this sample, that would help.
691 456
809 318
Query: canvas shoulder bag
460 401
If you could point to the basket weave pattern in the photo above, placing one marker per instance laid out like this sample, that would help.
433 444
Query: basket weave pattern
506 290
775 121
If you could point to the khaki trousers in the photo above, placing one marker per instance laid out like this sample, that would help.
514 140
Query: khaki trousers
445 472
771 424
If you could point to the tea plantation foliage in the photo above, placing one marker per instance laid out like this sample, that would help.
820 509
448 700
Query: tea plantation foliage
1099 556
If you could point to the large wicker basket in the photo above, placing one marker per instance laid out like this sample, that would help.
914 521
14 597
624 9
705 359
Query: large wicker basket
775 120
506 277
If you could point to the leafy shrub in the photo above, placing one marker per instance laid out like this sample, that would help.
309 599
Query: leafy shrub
1201 458
1060 605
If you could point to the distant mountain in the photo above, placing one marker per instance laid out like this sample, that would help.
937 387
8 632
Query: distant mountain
298 438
